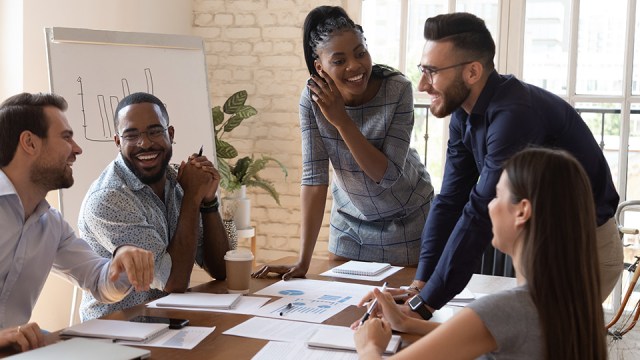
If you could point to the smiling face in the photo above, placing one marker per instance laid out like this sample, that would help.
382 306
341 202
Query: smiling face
146 158
52 169
448 90
345 58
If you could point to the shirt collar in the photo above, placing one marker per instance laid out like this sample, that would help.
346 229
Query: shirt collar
132 181
7 189
6 186
487 93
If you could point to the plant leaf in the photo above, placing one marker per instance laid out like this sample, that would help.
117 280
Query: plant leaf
267 186
224 150
233 122
246 112
235 102
240 170
225 173
217 116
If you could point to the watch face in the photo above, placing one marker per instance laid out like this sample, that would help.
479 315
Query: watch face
415 302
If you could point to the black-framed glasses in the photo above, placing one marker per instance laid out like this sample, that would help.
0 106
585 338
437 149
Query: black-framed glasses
134 135
429 71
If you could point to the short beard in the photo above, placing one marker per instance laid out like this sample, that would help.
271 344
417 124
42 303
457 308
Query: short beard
153 178
49 177
452 98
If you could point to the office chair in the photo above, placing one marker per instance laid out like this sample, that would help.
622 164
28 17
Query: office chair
629 321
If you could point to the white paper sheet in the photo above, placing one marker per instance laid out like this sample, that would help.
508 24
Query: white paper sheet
301 309
346 293
274 329
295 351
383 275
246 305
186 338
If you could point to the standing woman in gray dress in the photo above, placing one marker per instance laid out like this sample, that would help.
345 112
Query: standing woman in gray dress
358 117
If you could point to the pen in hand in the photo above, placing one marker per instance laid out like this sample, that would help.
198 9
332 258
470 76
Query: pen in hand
373 305
200 152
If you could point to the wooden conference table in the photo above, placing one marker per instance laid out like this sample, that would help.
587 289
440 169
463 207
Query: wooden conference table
219 346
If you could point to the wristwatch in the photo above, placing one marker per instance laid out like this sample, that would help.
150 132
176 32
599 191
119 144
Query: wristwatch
210 207
417 304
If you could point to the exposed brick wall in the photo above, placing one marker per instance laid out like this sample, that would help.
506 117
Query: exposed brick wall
256 45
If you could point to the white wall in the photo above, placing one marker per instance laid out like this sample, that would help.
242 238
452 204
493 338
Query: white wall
23 67
11 64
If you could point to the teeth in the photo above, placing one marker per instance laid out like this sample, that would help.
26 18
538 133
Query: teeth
356 78
147 157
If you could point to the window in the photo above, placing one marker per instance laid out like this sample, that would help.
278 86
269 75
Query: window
577 49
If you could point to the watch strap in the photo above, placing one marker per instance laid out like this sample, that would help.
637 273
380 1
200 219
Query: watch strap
420 308
210 207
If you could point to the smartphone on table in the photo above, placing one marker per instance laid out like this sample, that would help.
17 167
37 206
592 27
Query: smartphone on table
173 322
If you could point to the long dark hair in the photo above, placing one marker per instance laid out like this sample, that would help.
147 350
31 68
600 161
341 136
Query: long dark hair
559 255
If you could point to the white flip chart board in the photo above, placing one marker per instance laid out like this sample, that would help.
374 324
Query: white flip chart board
93 70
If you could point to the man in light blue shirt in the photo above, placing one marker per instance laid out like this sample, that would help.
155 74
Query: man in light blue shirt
36 154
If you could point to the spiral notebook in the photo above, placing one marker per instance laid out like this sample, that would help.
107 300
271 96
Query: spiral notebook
362 268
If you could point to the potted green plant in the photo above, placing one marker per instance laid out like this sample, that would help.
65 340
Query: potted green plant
236 177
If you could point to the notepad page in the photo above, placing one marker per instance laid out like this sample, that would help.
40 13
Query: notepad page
354 267
341 338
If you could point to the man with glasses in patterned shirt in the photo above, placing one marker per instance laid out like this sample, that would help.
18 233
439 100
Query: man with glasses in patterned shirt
139 199
492 117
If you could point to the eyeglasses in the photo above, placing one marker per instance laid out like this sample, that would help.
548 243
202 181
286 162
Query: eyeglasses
429 71
134 134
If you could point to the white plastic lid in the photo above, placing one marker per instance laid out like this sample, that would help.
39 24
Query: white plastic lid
238 255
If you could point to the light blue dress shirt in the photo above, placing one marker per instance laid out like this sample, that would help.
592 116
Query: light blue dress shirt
30 248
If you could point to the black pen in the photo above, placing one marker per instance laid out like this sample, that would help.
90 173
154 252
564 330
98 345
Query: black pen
287 309
200 152
373 305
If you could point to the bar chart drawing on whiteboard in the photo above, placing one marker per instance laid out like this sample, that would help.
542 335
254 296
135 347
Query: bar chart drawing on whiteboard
98 124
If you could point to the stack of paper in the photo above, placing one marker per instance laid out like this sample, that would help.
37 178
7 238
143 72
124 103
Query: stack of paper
361 268
199 300
341 338
116 329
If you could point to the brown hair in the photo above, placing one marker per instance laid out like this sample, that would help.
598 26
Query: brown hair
467 32
559 255
24 112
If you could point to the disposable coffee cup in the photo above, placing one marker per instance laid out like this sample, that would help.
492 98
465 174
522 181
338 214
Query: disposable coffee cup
238 263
